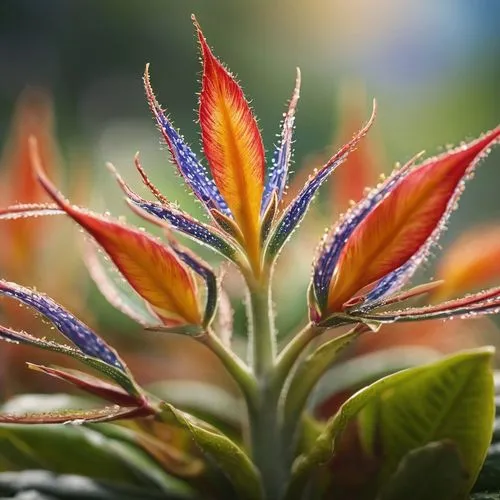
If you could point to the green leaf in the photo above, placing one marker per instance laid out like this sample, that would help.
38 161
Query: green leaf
122 378
432 472
353 374
226 454
69 449
464 381
309 372
206 401
38 484
452 399
168 449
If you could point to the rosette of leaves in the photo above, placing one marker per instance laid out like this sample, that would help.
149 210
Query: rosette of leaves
407 427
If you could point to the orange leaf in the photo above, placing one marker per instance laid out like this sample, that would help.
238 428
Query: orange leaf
233 147
152 269
403 222
33 117
472 262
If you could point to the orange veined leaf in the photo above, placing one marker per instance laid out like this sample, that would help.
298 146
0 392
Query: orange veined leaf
33 117
152 269
408 220
471 262
233 147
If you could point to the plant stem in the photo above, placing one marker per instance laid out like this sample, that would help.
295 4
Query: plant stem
263 343
267 445
292 351
236 368
264 421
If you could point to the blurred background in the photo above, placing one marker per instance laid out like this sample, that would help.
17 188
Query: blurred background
434 68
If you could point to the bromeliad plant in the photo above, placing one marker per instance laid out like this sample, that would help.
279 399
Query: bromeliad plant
429 425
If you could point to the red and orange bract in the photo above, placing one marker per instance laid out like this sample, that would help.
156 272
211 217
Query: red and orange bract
233 147
398 227
152 269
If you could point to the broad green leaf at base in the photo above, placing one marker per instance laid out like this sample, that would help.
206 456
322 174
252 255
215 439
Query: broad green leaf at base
222 451
432 472
449 399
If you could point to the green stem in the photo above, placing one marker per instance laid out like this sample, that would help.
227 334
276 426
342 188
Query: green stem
290 354
235 366
307 375
265 423
262 336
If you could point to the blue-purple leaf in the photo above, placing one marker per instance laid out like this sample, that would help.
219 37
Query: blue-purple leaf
278 176
295 212
71 327
331 247
188 165
176 218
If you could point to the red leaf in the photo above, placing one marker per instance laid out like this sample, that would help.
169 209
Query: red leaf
152 269
90 384
233 147
406 220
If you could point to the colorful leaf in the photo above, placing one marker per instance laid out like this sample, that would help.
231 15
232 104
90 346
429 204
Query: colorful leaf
205 272
277 178
115 289
177 218
92 385
120 375
334 241
233 146
71 327
387 240
152 269
190 168
470 306
26 210
296 210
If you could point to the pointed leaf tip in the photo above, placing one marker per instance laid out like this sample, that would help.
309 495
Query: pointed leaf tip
388 234
70 326
152 269
93 385
277 179
233 146
188 165
296 210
